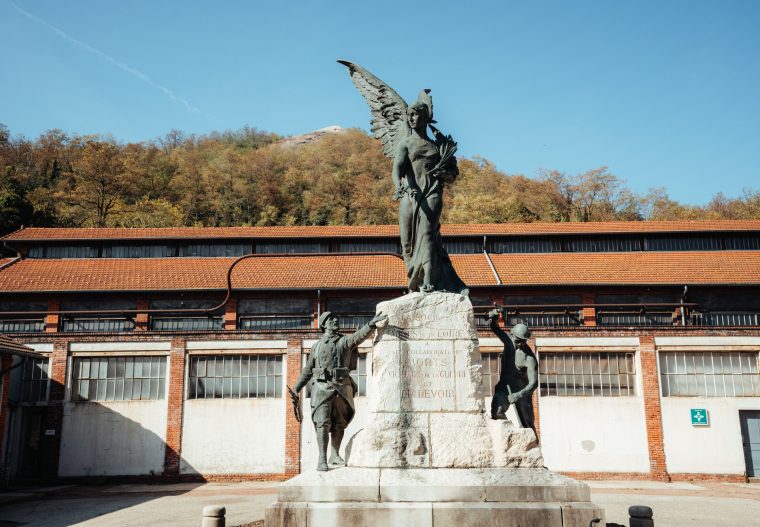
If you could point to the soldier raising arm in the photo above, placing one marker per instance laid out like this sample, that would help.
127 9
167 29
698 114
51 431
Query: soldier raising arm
332 389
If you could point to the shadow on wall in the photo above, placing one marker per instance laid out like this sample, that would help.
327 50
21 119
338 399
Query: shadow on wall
96 444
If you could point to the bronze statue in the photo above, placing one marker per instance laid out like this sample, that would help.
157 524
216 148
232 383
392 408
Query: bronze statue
332 389
519 373
421 168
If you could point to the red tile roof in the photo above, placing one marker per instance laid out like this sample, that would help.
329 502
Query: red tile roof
357 272
381 231
8 345
639 268
156 274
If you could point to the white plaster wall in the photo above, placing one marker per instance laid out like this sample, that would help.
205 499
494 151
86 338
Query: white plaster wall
113 438
234 436
594 434
713 449
309 454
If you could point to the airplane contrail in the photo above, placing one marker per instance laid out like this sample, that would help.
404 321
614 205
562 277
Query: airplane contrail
124 67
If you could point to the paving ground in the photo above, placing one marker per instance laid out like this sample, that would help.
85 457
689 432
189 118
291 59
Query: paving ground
674 504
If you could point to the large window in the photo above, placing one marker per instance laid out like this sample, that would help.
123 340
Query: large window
35 379
22 325
359 375
185 321
216 249
235 376
607 245
273 314
491 362
139 251
96 322
352 312
291 247
634 318
590 374
526 245
119 378
726 318
709 374
366 246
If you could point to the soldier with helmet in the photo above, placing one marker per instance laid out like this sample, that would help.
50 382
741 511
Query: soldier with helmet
519 373
332 389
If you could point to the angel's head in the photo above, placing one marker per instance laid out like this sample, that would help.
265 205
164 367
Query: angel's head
417 116
420 113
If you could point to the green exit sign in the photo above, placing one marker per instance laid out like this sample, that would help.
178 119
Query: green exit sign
699 417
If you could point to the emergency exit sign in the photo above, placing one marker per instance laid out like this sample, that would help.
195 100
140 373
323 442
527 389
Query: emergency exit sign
699 417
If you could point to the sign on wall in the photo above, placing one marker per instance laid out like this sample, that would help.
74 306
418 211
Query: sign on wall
699 417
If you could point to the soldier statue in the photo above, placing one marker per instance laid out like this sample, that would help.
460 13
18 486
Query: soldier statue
332 388
519 373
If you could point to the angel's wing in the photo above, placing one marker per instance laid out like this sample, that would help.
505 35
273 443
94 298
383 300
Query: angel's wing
388 108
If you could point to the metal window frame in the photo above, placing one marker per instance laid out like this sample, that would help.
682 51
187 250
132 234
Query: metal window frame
160 377
194 380
712 383
597 387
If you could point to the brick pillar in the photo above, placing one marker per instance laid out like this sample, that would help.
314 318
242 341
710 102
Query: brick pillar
652 409
230 314
534 395
588 313
175 407
51 321
292 427
5 364
50 448
142 319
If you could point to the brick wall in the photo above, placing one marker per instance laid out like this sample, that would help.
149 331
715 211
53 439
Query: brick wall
292 427
652 408
230 315
142 320
588 314
50 447
5 364
51 320
175 407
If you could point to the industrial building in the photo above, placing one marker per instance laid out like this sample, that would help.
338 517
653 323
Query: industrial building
165 352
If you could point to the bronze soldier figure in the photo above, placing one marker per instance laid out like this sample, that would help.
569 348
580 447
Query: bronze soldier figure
332 389
519 373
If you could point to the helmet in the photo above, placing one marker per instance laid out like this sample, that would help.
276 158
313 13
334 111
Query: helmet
323 318
520 331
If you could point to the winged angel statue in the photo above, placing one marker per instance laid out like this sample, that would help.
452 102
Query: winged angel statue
421 168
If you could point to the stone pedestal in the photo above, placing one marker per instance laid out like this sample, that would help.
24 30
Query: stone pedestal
426 396
431 455
439 497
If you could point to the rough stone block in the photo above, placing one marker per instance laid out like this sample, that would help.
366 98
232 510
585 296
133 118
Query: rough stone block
532 485
391 440
460 440
366 514
358 484
581 514
435 485
285 515
497 514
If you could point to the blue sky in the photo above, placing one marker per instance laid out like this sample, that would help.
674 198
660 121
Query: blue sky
664 93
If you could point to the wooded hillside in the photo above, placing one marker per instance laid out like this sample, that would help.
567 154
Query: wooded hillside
246 178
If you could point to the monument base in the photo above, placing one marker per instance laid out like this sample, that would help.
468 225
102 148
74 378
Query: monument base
425 497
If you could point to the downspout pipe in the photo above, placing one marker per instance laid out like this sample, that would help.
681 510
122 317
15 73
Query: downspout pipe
683 308
490 263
